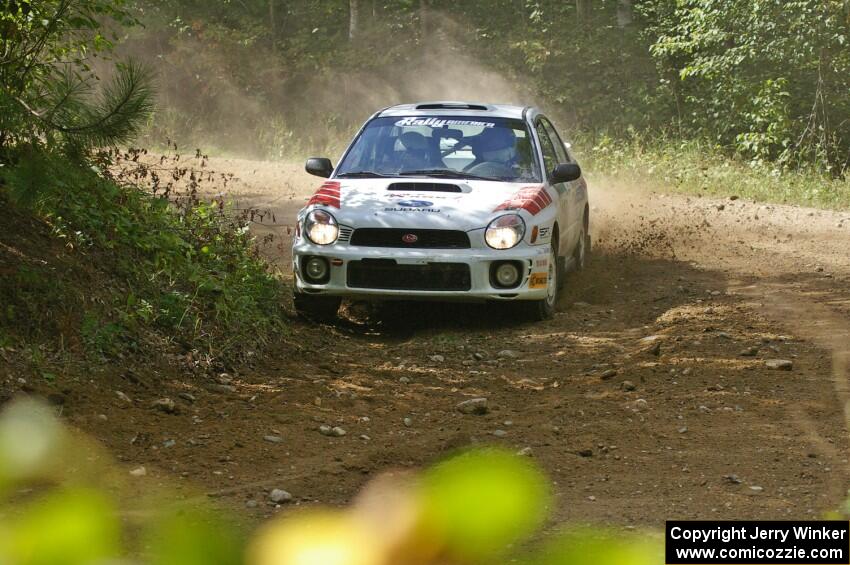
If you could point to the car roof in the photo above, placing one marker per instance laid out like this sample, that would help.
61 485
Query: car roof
457 108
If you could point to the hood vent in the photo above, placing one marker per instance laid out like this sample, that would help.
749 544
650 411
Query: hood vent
451 106
423 187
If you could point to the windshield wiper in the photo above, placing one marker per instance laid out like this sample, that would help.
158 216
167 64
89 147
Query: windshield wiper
361 174
445 173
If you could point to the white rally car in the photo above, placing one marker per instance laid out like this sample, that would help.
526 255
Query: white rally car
445 201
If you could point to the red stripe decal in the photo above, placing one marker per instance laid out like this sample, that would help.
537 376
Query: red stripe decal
533 199
327 195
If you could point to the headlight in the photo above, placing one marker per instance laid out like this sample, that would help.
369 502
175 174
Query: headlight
505 232
321 227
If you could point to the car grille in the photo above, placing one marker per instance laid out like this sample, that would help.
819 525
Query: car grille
424 239
386 274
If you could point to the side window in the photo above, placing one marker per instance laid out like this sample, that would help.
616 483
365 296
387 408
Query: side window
356 155
550 158
560 150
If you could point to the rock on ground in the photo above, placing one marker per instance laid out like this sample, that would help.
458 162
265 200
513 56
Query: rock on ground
279 495
477 406
779 364
165 405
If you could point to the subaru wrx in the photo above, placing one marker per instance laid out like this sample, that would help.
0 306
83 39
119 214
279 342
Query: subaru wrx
444 201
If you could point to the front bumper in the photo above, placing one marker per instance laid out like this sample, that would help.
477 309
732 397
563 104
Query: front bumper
533 259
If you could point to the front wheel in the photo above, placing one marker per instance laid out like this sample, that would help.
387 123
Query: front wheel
316 306
581 251
539 310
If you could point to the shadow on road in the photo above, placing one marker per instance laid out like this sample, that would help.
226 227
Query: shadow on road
635 289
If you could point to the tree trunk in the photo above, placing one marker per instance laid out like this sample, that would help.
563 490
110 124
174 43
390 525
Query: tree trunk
424 19
272 23
625 16
353 19
584 10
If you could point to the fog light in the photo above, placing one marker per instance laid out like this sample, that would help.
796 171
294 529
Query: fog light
316 270
506 275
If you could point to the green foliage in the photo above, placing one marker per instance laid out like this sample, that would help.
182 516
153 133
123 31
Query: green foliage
195 538
189 274
64 528
698 167
585 70
483 501
112 118
767 77
589 547
30 440
58 495
32 297
105 339
47 82
187 277
474 507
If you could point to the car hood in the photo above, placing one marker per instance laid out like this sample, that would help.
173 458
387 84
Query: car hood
421 203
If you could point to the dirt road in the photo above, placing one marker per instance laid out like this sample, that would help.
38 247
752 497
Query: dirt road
649 396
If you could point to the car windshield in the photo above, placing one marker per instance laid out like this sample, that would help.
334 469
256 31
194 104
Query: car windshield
484 148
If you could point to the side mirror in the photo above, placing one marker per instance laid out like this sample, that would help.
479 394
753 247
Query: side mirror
319 166
566 172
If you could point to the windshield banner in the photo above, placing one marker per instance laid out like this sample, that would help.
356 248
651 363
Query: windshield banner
441 123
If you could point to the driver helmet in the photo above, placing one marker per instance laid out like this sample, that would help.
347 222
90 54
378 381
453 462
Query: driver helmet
497 145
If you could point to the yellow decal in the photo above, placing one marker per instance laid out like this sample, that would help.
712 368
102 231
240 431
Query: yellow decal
538 280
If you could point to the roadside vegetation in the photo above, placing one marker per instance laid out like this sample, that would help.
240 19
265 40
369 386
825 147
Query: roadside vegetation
101 257
696 167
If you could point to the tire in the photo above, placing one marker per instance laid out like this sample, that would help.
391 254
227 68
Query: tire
581 253
562 273
316 307
539 310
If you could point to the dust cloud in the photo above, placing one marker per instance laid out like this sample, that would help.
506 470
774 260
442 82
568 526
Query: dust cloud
253 104
441 69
